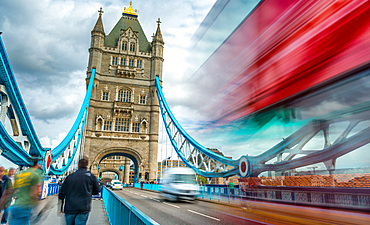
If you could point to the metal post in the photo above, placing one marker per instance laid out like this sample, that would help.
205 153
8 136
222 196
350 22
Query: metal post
229 193
219 195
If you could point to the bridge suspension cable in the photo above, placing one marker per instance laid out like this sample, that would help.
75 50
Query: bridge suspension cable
24 144
202 160
286 155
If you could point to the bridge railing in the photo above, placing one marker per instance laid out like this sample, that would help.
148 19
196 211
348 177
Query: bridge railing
348 198
338 197
121 212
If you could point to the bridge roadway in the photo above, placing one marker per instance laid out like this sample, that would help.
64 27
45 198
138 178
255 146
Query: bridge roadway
252 212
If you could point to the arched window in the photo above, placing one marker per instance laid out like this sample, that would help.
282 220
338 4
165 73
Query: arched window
143 127
124 95
99 124
124 46
132 47
131 62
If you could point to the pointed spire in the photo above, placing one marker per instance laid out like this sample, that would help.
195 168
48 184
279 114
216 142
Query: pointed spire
99 24
158 34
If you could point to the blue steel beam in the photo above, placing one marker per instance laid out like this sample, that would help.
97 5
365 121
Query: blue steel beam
11 150
165 110
79 123
8 80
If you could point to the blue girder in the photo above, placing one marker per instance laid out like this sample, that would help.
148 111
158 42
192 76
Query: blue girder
219 158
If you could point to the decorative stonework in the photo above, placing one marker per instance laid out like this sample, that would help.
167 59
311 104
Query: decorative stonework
124 60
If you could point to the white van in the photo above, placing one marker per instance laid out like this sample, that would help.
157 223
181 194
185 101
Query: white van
179 184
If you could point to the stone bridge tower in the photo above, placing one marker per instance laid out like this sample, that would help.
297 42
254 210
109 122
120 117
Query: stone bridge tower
123 116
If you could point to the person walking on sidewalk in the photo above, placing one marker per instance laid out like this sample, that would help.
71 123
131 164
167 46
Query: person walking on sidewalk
76 192
5 185
27 187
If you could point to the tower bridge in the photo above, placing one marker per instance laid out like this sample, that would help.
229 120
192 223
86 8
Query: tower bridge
282 74
124 100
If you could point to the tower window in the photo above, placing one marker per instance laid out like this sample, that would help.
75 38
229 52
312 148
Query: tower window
124 95
142 99
132 47
124 46
122 124
131 63
136 127
114 61
105 96
139 64
107 125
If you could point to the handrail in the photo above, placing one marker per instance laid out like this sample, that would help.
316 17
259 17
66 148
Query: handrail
128 214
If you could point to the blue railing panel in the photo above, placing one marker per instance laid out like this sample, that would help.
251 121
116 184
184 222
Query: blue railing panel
120 211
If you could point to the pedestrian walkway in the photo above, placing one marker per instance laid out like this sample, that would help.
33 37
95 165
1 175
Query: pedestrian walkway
97 215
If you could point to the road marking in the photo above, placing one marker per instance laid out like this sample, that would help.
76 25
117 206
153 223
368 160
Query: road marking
203 215
155 199
136 193
144 196
171 205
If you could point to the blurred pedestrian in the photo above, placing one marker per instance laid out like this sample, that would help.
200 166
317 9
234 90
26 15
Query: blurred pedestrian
6 191
27 189
76 192
5 186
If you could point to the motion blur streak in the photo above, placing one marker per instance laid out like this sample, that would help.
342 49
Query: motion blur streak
283 49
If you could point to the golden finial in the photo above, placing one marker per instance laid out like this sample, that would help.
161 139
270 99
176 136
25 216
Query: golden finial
130 10
100 11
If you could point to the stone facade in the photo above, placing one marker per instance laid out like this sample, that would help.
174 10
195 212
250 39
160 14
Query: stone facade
123 116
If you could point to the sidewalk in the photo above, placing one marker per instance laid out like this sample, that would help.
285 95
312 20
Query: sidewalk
96 217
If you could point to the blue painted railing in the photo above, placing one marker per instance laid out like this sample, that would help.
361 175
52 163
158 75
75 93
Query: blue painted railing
121 212
53 188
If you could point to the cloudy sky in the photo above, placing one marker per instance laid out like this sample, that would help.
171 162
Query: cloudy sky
47 43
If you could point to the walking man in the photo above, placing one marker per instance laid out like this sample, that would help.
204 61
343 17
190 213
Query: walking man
27 187
76 192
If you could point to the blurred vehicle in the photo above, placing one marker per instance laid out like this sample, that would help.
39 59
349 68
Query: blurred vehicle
116 184
108 185
179 184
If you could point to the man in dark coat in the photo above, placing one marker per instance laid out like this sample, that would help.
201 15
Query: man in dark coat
76 192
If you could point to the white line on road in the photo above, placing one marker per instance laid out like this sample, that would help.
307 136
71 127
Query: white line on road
144 196
155 199
136 193
203 215
171 205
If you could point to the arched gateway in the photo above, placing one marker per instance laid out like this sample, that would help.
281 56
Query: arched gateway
124 112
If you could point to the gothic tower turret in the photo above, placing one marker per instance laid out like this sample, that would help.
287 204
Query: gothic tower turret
97 43
157 52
